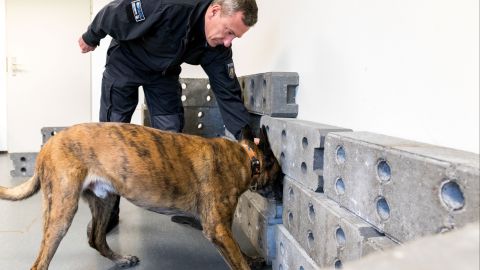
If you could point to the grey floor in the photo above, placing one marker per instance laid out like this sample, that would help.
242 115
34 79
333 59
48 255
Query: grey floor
159 243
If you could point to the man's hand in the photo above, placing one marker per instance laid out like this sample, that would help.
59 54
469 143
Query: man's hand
84 46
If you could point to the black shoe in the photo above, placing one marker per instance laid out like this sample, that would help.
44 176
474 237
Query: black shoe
186 220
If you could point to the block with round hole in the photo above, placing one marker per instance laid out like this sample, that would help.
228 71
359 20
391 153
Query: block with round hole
23 164
271 93
197 92
406 189
256 216
299 147
48 132
289 254
203 121
327 232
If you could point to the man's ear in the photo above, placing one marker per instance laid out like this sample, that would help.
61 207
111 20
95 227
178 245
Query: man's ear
246 134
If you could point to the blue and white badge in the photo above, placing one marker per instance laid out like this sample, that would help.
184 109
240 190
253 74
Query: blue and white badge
137 11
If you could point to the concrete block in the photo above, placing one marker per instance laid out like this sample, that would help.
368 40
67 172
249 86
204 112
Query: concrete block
271 93
23 164
404 188
256 217
457 250
197 93
330 234
299 147
290 255
203 121
48 132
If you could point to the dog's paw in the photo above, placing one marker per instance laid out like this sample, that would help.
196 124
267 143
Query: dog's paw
127 261
256 262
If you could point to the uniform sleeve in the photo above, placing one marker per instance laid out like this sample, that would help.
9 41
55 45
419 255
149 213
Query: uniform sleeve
218 64
123 20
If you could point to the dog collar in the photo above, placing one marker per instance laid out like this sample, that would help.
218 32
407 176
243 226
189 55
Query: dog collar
255 163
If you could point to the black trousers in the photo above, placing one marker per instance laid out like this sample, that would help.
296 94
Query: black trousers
163 97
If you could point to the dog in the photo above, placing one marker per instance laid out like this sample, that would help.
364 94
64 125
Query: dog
165 172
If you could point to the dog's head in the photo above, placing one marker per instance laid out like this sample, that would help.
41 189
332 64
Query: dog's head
268 181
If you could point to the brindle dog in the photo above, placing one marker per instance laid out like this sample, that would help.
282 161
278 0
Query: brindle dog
160 171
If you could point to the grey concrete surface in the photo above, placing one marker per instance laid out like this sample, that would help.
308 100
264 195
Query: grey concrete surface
458 249
328 233
406 189
159 243
290 255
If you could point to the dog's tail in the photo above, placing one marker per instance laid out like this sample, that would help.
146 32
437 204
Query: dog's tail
22 191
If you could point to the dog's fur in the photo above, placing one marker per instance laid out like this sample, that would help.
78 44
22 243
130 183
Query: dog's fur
160 171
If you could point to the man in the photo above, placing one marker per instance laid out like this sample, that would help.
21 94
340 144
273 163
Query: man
151 39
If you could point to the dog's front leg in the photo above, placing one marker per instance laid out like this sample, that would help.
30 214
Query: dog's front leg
221 236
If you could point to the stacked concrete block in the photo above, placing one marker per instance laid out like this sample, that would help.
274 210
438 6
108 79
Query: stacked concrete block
328 233
271 93
202 115
23 164
48 132
405 189
256 217
289 254
299 147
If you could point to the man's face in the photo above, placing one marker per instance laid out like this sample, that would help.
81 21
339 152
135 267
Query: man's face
221 29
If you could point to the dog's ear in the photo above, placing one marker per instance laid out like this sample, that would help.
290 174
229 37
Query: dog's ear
264 143
246 134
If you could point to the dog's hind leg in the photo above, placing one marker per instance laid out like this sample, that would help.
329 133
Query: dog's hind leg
101 209
59 208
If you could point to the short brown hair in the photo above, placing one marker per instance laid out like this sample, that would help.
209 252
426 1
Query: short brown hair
248 7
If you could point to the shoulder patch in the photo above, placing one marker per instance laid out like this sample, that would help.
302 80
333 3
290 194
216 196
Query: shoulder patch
231 70
138 11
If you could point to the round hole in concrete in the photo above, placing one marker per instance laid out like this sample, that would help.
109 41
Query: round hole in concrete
243 84
311 212
264 83
199 126
310 239
184 86
383 170
23 159
291 193
252 84
53 133
340 237
267 127
301 268
290 218
23 169
252 101
340 154
383 209
339 186
338 264
282 248
184 98
200 114
452 195
284 134
264 101
304 167
305 142
282 158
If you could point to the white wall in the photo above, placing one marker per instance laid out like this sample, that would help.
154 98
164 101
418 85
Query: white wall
3 84
401 68
408 69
